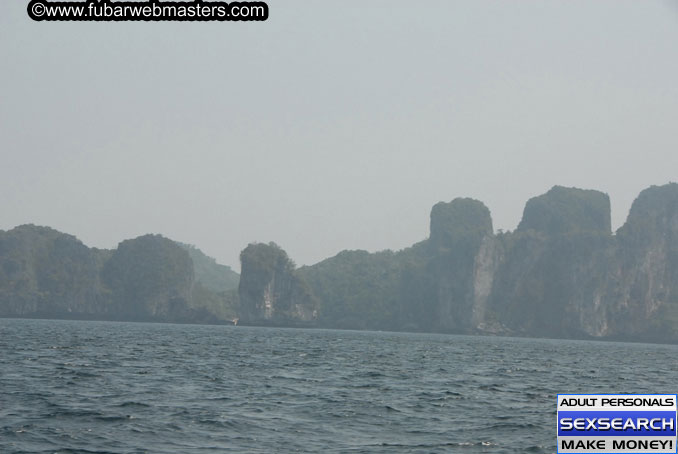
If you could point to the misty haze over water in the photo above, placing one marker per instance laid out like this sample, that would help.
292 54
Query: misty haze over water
331 126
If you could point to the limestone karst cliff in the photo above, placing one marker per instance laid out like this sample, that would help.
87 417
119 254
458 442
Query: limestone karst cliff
149 277
643 291
463 252
553 270
561 273
571 277
270 290
46 273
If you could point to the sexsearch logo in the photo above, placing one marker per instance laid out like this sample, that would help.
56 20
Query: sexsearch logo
612 423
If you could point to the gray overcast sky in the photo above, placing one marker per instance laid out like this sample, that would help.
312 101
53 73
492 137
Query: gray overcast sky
333 125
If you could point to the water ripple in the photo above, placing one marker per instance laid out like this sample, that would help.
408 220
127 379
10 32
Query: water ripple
132 388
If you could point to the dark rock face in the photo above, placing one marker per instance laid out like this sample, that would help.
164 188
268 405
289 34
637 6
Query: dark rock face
440 284
553 286
562 273
270 290
462 253
462 223
562 210
646 274
150 278
44 272
555 269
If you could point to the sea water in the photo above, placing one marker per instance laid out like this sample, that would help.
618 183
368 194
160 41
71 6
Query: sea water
107 387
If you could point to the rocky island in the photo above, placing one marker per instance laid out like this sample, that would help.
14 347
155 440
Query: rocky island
562 273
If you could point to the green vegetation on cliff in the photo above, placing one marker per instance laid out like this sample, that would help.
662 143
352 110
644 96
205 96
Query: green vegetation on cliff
563 210
270 290
421 288
460 224
648 261
561 273
45 273
149 277
212 275
357 290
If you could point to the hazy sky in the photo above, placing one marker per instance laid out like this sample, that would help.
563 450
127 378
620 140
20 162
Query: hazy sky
333 125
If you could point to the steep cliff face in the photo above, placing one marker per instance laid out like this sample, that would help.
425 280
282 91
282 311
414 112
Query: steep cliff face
553 285
440 284
149 278
562 273
644 297
565 210
485 265
270 290
463 254
555 268
47 273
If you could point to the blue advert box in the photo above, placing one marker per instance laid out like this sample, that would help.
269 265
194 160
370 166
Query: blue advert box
616 423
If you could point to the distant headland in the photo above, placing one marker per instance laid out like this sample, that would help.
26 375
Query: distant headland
562 273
